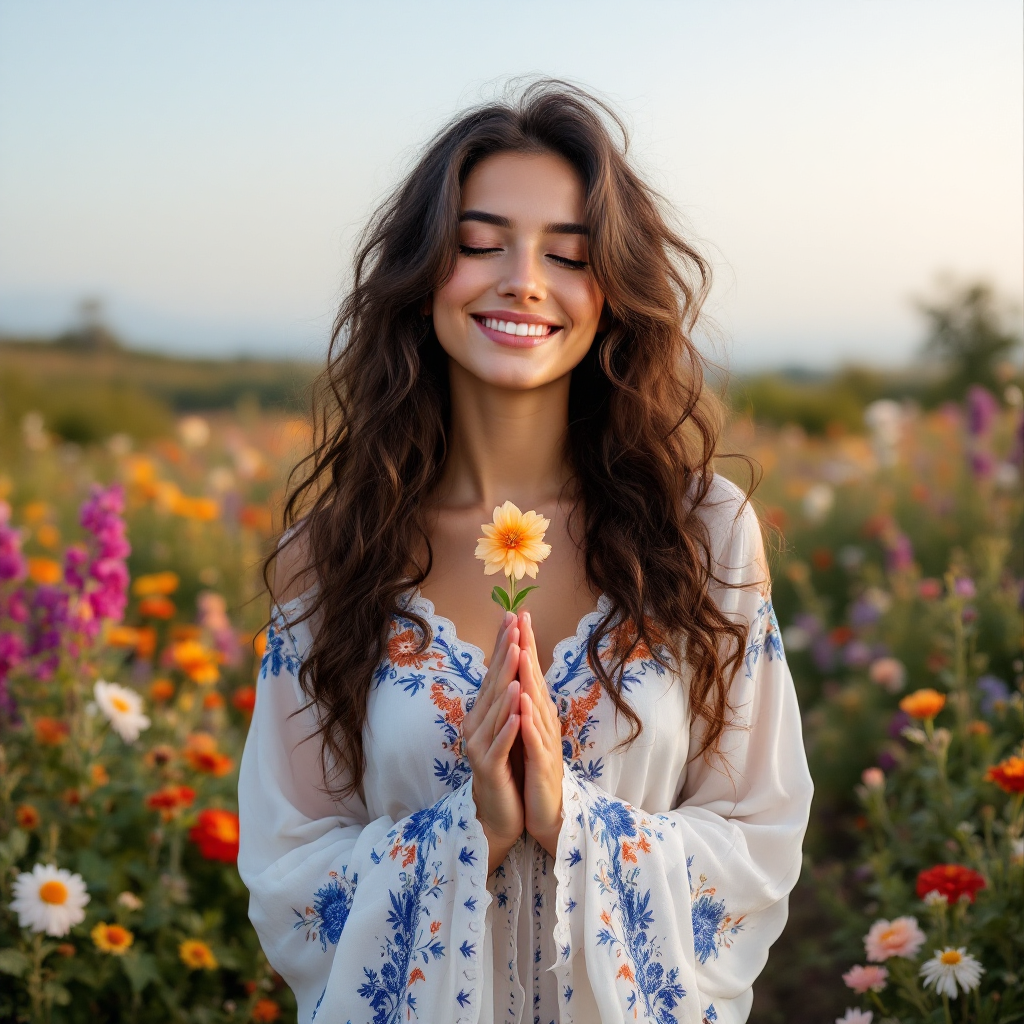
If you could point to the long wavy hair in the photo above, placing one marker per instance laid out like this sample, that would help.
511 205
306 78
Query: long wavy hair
642 432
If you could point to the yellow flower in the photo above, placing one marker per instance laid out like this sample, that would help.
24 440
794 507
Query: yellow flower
112 938
197 955
161 583
513 543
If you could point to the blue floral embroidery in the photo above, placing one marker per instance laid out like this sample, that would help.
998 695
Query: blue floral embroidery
713 926
331 905
710 1014
615 827
276 657
390 992
767 637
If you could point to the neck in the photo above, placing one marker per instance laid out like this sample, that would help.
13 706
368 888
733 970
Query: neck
505 444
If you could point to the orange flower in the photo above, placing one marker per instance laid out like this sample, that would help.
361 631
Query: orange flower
26 816
199 663
44 570
171 800
213 701
34 512
197 955
202 754
156 584
403 650
50 732
244 699
926 703
625 971
112 938
627 852
1008 775
256 517
145 644
416 975
48 535
979 728
204 510
259 644
99 775
216 835
161 690
122 636
157 607
265 1010
513 543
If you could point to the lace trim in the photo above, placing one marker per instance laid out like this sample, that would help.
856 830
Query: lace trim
570 868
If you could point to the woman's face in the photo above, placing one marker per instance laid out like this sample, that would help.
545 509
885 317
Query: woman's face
522 307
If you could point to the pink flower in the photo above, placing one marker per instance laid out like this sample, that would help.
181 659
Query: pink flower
864 979
873 778
888 672
901 937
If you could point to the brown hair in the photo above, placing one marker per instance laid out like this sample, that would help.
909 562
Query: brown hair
640 437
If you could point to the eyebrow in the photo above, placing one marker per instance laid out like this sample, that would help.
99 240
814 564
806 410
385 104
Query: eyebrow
567 228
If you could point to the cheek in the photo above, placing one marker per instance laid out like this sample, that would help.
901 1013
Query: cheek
467 282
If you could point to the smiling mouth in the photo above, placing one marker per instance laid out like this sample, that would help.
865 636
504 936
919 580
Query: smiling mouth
516 329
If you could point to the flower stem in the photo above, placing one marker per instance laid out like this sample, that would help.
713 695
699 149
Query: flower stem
945 1008
512 590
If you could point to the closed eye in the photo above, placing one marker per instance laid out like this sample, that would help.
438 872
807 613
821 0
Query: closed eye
566 262
469 250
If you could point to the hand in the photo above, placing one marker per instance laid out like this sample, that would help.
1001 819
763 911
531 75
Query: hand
490 729
542 746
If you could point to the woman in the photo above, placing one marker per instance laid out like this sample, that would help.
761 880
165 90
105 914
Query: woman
598 828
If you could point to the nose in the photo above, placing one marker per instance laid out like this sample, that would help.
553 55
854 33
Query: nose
523 280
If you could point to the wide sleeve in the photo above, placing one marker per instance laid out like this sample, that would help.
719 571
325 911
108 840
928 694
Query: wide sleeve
367 920
676 911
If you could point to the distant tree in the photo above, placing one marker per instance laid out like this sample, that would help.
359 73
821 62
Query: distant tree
968 333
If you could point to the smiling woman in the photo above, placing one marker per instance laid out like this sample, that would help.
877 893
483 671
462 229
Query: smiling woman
607 836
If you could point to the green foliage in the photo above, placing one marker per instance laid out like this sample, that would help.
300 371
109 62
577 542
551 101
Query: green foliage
968 333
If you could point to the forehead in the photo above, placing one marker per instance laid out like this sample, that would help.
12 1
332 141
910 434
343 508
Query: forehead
528 188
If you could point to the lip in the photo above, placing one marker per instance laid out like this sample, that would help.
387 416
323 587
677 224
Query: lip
515 340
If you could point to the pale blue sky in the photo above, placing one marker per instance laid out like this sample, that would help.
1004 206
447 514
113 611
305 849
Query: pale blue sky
204 167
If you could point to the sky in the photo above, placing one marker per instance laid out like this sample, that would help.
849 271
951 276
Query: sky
203 168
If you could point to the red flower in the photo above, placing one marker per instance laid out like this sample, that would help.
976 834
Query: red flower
951 881
216 835
244 698
171 799
1008 775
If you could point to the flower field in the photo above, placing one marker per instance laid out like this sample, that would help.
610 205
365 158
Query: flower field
130 618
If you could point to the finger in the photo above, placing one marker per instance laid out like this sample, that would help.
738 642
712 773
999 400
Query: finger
502 745
532 742
546 713
497 674
499 709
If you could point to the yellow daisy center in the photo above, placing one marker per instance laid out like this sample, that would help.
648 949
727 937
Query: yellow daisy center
950 957
120 704
53 892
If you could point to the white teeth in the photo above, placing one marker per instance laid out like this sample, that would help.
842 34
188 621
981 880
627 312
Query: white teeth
519 330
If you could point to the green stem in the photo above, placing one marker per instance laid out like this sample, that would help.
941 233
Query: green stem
512 591
945 1008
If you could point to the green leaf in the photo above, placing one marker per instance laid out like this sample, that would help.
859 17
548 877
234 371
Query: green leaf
141 969
520 597
500 597
13 961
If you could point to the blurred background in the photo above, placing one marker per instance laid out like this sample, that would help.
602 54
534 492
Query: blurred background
180 191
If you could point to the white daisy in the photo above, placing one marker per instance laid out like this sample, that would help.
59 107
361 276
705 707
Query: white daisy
855 1017
122 708
49 899
949 967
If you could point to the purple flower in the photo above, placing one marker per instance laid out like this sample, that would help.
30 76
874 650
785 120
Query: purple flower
863 613
12 562
964 587
982 409
886 761
994 690
76 560
982 464
856 654
897 724
900 553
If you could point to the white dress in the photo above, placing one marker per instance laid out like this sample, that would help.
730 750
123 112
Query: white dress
671 877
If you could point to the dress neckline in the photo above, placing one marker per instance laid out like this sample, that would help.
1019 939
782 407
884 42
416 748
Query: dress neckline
425 607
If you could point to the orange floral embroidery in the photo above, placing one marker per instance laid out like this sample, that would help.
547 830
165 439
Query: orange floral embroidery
623 635
644 844
403 651
580 708
605 918
417 975
435 927
625 972
627 852
451 707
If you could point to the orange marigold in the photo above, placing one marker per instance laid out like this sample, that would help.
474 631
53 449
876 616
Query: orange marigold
926 703
155 584
202 754
44 571
161 690
216 835
196 955
213 700
157 607
26 816
50 732
244 699
1008 775
265 1010
170 800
